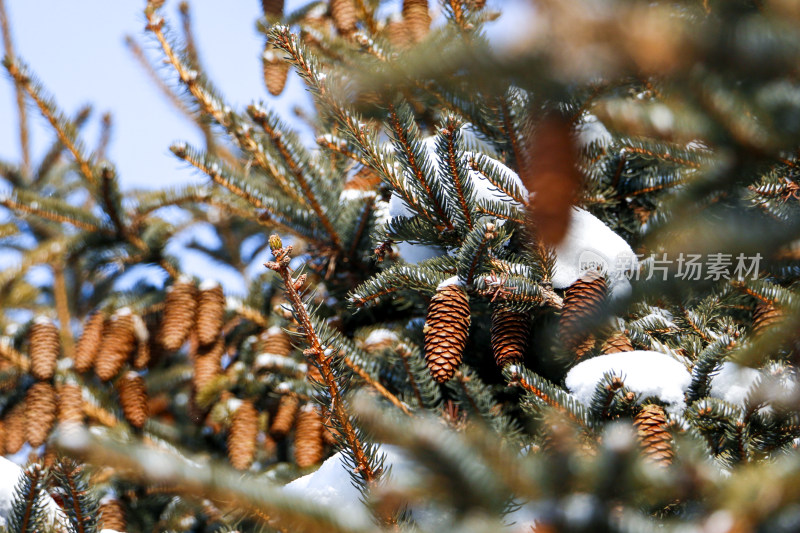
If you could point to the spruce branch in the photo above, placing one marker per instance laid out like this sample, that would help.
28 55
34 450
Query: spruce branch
322 358
65 130
22 114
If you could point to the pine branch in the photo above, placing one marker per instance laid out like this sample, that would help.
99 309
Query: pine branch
319 355
62 126
22 115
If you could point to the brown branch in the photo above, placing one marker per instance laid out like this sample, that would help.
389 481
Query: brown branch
400 133
452 162
55 217
377 386
65 139
16 359
277 140
362 225
321 357
62 308
24 135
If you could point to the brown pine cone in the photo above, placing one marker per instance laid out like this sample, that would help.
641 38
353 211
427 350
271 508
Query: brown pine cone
15 432
654 436
308 445
509 336
397 33
272 8
45 346
119 341
112 515
417 19
283 420
242 436
616 343
207 364
313 374
446 331
275 341
210 312
70 405
133 398
89 342
40 412
765 315
582 301
275 68
343 13
364 180
180 309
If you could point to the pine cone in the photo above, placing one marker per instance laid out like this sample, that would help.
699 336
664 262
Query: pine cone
45 346
313 374
272 8
210 312
242 436
89 342
765 315
651 426
40 412
70 405
343 13
446 331
133 398
14 425
276 69
308 445
179 315
207 364
118 342
582 301
397 33
364 180
417 19
112 515
283 420
616 343
509 336
275 341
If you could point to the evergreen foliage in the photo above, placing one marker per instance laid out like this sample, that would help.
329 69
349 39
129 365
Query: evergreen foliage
438 159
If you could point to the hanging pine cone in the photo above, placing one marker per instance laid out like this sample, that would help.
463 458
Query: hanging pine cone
179 315
417 19
276 69
272 8
70 405
207 364
89 342
45 347
397 33
582 301
308 445
275 341
365 180
651 427
40 412
133 398
210 312
509 336
242 436
343 13
446 330
283 420
14 425
118 342
112 515
766 315
616 343
313 374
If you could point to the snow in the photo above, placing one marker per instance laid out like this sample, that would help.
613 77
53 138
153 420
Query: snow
9 475
209 284
591 130
732 382
355 194
42 320
380 336
450 281
649 374
589 243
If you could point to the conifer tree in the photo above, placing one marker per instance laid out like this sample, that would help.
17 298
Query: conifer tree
547 285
